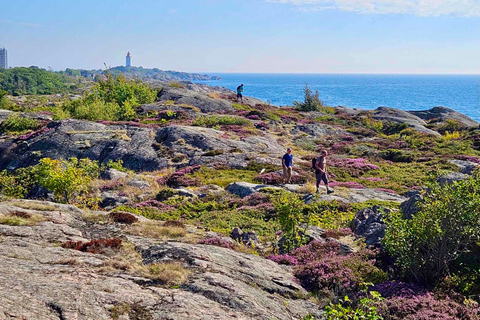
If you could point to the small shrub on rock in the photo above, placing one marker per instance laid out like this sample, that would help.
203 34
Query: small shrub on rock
15 123
219 242
123 217
94 246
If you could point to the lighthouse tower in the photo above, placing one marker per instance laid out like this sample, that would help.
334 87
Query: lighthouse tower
129 59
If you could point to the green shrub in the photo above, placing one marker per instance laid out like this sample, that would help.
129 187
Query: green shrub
365 309
446 226
16 184
390 127
16 124
450 125
66 178
112 99
396 155
212 121
311 101
6 104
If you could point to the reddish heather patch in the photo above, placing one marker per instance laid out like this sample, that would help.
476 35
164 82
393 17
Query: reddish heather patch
219 242
94 246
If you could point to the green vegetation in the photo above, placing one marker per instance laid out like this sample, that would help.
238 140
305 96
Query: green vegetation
66 178
114 98
214 120
311 101
18 124
366 308
33 80
445 227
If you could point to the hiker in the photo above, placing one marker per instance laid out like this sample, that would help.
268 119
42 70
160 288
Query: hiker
321 171
239 92
287 163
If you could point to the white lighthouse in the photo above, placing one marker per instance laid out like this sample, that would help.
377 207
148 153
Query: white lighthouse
129 59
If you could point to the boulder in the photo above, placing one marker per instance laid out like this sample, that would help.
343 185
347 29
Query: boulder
113 174
368 223
137 183
410 207
84 139
441 114
111 200
197 99
451 177
246 238
466 167
397 115
243 189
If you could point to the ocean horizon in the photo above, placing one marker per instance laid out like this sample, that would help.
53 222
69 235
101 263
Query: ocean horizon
410 92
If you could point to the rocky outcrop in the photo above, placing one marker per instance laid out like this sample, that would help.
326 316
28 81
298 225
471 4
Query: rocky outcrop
244 189
368 223
441 114
397 115
41 280
140 149
320 129
466 167
410 207
451 177
84 139
197 99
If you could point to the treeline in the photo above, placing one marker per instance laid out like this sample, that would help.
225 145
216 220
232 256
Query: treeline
33 80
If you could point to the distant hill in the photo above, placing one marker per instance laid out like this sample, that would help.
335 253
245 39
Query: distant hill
33 80
141 73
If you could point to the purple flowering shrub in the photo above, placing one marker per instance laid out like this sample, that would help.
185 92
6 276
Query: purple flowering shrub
273 178
33 134
180 178
319 265
219 242
426 307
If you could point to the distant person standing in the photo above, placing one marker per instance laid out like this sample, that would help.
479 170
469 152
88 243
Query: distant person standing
287 163
240 92
321 171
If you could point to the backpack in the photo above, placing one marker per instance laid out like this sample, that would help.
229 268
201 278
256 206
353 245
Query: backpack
314 163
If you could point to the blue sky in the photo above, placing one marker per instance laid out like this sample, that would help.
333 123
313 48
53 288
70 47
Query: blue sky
290 36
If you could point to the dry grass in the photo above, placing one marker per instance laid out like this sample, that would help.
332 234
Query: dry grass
129 260
22 219
154 229
95 217
31 205
168 273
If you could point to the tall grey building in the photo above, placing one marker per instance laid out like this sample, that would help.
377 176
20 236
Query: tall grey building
3 58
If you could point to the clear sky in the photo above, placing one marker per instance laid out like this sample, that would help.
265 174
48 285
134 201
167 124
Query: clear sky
280 36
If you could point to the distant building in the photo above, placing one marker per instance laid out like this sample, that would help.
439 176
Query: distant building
129 59
3 58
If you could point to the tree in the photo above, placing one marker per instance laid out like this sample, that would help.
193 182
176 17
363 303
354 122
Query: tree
311 101
446 226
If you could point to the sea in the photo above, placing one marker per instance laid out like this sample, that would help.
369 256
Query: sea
365 91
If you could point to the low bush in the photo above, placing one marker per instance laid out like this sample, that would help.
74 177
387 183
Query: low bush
214 120
123 217
219 242
445 227
398 155
94 246
16 124
311 101
66 178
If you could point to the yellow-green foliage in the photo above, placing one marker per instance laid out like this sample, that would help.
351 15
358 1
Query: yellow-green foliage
223 177
16 184
6 104
214 120
66 178
21 219
16 124
112 99
376 125
455 135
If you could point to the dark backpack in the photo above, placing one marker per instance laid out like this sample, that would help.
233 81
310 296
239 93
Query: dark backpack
314 163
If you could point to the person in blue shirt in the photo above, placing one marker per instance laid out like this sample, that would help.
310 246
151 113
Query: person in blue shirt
287 163
240 92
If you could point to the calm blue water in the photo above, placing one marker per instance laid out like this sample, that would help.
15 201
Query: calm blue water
406 92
